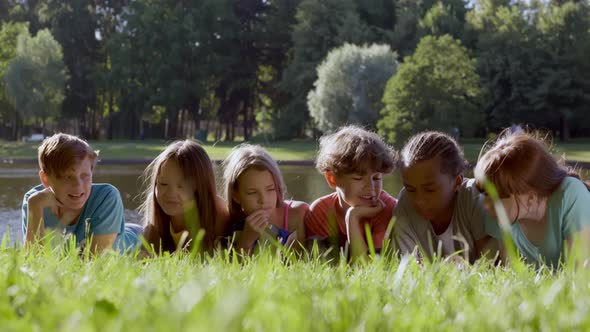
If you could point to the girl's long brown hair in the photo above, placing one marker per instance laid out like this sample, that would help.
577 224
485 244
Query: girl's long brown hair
197 169
520 162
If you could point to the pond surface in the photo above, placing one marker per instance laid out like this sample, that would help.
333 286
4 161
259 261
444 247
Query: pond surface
303 183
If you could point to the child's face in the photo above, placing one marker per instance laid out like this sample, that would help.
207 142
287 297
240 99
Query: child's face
430 191
173 191
510 204
358 189
72 188
255 190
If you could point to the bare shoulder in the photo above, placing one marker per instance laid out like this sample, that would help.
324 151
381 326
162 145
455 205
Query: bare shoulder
222 216
220 203
298 209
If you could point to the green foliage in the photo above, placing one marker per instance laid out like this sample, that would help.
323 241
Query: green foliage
250 64
435 88
531 63
8 39
321 26
166 53
417 18
350 86
35 79
445 17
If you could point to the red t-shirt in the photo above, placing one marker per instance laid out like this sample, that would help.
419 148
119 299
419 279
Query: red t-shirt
324 219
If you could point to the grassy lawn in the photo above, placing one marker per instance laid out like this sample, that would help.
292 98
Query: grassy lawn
289 150
292 150
52 291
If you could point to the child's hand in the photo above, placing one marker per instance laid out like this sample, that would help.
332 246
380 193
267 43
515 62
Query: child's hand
361 212
45 199
257 222
254 227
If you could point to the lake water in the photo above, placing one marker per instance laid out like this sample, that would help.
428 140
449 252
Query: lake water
303 183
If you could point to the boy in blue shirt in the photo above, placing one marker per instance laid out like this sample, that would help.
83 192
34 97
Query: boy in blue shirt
68 201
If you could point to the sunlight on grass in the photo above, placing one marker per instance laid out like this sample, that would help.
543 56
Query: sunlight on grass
53 291
292 150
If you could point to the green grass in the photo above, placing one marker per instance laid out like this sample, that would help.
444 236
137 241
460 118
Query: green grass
572 151
577 150
53 291
292 150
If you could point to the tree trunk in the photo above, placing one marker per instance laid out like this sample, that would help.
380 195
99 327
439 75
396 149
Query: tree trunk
246 122
110 117
16 127
564 133
172 123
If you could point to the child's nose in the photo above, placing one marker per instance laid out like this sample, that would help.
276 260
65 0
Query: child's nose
76 181
371 185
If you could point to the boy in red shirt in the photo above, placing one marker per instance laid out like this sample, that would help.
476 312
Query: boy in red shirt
353 161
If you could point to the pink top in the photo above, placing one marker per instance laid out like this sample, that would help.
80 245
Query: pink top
286 218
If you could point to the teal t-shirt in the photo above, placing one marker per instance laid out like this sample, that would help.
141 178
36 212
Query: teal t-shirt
102 214
568 212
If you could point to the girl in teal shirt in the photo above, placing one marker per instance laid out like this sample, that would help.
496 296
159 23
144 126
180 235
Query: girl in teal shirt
547 203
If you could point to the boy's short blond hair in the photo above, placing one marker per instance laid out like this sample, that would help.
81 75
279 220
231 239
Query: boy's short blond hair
353 149
60 151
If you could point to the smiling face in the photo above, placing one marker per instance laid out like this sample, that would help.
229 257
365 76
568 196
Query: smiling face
430 191
356 189
173 192
73 186
255 189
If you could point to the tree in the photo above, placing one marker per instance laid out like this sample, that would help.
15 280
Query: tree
446 17
507 56
435 88
563 44
321 26
8 39
74 26
350 86
164 58
417 18
35 79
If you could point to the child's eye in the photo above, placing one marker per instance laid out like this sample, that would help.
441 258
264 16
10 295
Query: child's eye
429 190
357 178
162 184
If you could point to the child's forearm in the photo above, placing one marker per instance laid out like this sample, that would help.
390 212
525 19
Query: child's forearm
246 241
35 224
356 240
358 247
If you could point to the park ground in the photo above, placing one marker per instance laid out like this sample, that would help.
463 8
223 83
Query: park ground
577 150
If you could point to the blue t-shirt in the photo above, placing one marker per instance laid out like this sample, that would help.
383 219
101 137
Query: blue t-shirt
102 214
568 212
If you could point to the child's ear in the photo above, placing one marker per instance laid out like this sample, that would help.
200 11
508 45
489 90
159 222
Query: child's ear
331 179
458 181
235 197
44 179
